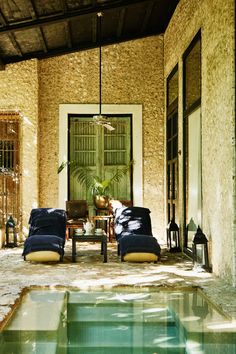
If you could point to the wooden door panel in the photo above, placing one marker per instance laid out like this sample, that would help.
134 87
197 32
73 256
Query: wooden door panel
102 151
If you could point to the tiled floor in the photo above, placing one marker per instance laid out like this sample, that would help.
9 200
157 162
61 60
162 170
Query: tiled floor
89 272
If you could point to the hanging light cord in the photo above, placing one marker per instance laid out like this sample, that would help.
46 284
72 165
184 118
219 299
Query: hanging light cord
99 14
100 119
100 80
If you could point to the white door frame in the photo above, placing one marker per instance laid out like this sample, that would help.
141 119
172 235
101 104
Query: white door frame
135 110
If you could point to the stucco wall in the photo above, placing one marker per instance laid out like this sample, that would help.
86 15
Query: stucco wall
132 73
19 91
216 20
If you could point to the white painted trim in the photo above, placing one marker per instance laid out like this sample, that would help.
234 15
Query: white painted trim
135 110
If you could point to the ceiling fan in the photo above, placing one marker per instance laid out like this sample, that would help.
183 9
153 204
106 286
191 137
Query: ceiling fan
100 119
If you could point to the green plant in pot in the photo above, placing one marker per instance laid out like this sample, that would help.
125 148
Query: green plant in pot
100 188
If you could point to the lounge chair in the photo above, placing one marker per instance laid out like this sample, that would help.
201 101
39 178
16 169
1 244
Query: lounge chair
133 230
46 239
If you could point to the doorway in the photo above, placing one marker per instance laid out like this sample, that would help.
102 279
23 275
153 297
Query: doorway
192 159
172 147
133 111
101 151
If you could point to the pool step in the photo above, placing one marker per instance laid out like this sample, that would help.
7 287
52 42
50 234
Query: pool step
38 322
115 340
38 312
39 348
116 327
127 350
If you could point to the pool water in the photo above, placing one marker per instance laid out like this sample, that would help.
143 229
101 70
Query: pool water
117 322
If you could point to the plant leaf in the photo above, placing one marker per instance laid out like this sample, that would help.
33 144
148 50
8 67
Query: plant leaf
85 175
62 166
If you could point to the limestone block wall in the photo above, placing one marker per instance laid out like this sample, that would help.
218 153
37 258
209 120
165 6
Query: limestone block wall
132 73
216 21
19 91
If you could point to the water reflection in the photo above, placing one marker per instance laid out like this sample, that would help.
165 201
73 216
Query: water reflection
125 320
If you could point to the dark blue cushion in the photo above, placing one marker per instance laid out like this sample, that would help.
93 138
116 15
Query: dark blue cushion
139 243
136 211
47 231
41 212
135 220
47 221
43 243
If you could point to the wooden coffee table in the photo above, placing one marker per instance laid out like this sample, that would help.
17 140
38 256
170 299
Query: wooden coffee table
90 238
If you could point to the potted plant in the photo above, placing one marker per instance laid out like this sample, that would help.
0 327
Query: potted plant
100 188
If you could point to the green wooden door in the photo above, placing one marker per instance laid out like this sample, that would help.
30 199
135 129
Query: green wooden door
102 151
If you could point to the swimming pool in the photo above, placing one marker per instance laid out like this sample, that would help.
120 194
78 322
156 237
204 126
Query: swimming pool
120 321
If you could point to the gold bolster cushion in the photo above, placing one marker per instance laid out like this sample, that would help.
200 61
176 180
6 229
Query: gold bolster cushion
140 257
43 256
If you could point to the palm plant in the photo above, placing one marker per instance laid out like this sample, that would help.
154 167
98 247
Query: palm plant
94 183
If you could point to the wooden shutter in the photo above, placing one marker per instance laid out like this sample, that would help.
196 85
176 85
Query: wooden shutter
9 168
101 150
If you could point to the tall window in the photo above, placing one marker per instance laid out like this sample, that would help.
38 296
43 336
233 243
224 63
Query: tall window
9 167
192 140
172 145
102 151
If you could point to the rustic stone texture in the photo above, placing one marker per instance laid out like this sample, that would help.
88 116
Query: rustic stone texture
132 72
216 20
19 91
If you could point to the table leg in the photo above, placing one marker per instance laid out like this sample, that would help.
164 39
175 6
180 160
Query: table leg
67 233
109 230
104 247
73 249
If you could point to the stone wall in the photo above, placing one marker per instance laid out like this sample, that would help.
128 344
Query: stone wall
216 21
132 73
19 92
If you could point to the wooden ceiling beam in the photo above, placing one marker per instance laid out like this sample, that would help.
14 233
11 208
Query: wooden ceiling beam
68 34
75 48
11 35
52 19
63 6
2 18
147 16
2 65
42 40
121 22
15 44
66 24
94 30
33 10
40 31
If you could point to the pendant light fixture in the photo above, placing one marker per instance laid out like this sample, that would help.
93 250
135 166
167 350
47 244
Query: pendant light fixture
101 119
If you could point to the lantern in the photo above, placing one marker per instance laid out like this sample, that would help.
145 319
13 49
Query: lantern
173 237
200 251
191 230
11 235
